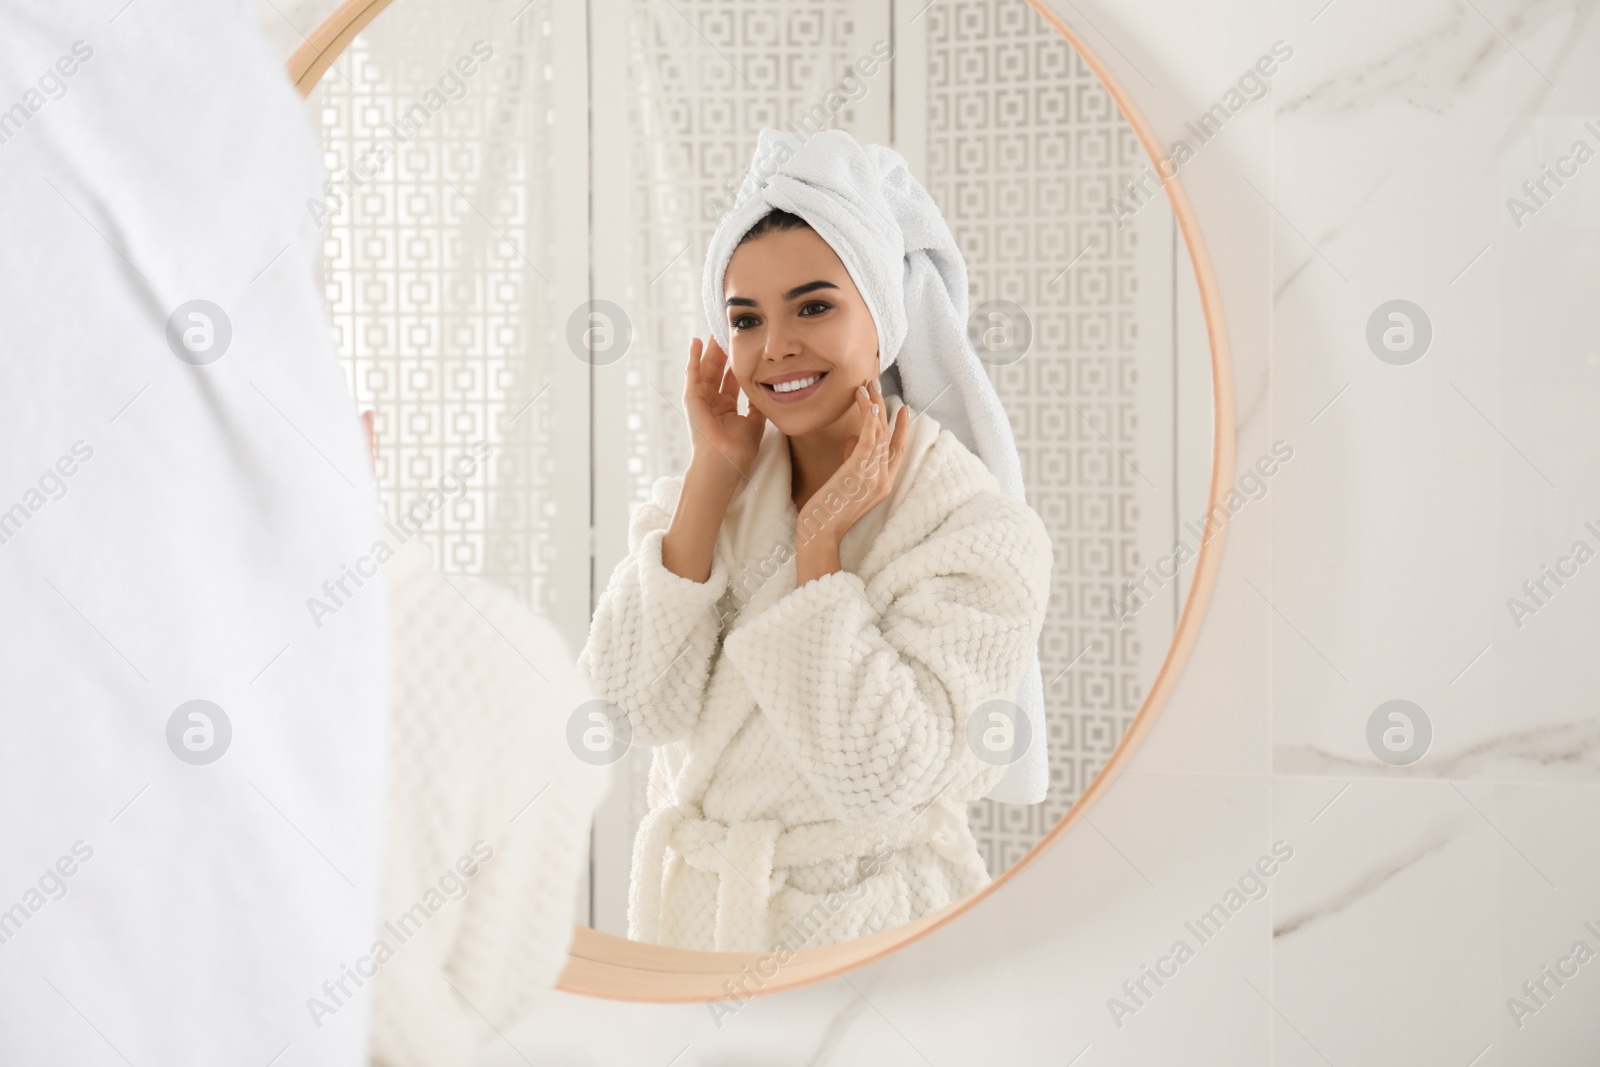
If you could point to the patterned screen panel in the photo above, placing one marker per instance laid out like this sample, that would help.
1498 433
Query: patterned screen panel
709 76
436 260
1025 149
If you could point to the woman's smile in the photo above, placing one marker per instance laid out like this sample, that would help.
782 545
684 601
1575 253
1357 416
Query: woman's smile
794 387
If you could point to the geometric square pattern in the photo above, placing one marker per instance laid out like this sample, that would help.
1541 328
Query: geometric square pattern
436 255
1024 148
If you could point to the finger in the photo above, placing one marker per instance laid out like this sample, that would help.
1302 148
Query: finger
880 420
897 442
718 357
867 440
866 403
691 370
874 453
869 427
873 405
730 388
893 442
710 366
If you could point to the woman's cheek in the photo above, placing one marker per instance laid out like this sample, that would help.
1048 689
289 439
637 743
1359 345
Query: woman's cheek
863 346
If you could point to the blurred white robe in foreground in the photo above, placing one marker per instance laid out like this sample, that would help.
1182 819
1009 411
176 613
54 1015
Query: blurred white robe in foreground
163 523
489 814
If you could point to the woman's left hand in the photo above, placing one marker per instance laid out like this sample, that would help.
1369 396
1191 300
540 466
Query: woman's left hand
863 480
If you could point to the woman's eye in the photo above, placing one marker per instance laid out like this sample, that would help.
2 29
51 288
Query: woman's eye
739 322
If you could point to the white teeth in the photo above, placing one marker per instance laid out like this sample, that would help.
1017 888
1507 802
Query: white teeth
798 383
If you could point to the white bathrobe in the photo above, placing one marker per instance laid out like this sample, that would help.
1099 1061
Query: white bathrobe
488 816
162 526
811 772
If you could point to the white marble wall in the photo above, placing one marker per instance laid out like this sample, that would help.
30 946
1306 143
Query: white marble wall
1420 497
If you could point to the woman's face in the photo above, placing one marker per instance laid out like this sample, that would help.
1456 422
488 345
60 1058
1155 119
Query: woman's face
794 314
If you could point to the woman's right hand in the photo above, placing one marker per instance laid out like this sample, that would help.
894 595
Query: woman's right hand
724 440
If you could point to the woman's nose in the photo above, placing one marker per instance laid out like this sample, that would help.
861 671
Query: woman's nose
781 341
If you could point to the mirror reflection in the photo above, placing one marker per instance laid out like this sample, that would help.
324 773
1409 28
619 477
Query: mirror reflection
854 652
813 760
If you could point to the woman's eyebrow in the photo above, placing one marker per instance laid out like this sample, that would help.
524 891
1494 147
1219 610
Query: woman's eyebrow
799 290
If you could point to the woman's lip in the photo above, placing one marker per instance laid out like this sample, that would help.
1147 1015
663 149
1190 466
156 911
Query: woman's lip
798 395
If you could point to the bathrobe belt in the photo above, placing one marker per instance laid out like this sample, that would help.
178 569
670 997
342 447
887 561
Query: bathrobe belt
744 855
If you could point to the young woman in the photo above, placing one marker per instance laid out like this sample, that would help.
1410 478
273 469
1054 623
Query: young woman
806 621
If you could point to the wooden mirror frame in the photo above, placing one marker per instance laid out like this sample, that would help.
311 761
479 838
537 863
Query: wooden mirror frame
604 965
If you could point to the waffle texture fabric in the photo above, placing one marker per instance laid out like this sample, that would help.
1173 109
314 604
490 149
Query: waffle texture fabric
488 816
811 769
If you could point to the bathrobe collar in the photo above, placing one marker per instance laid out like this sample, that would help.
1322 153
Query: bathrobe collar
762 517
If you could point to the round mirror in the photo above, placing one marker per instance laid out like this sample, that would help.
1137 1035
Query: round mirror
520 203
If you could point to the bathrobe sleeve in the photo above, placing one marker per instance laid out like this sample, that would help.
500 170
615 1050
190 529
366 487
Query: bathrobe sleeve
872 686
655 633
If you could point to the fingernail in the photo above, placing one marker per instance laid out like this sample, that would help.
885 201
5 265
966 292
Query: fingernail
862 388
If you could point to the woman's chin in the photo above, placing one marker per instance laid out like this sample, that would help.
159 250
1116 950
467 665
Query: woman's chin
798 419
